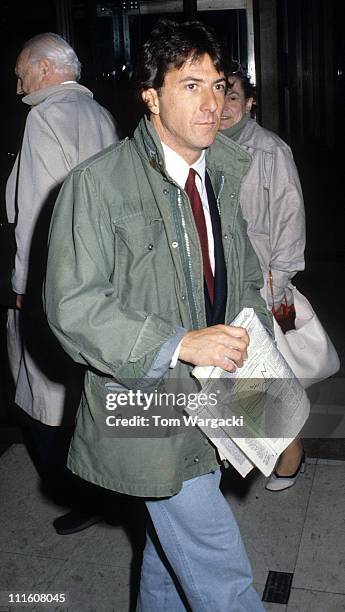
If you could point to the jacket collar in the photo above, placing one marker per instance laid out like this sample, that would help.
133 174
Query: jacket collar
224 155
149 145
36 97
235 131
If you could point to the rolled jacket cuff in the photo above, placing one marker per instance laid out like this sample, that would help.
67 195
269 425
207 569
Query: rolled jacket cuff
167 356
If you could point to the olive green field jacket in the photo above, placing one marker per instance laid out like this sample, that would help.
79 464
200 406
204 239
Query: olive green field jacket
124 281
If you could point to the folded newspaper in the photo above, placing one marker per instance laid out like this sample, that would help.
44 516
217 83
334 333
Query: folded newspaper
259 409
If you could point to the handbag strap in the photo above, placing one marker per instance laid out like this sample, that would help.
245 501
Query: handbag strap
270 284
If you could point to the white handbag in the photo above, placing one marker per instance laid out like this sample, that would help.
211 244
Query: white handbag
307 349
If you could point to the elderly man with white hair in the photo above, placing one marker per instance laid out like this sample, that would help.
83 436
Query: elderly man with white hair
64 127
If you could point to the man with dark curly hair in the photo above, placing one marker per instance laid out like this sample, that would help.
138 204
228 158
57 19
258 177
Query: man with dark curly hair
149 263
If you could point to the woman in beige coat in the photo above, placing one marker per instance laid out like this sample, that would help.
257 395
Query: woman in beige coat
272 204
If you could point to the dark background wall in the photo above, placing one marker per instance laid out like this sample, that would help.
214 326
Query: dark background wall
301 77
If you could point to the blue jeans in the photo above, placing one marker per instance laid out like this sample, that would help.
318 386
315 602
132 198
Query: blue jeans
200 545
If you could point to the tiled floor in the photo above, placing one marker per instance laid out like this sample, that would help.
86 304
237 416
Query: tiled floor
301 531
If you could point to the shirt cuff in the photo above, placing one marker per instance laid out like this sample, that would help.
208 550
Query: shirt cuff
175 356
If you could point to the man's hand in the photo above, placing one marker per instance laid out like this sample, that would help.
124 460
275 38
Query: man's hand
19 300
224 346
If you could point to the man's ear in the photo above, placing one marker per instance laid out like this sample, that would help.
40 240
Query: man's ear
45 68
249 104
151 99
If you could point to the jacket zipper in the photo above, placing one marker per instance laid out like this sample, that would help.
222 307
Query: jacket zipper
219 193
190 287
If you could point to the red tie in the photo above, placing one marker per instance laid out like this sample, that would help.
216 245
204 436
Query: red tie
200 223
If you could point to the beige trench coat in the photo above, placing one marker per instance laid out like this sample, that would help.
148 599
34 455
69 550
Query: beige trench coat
64 127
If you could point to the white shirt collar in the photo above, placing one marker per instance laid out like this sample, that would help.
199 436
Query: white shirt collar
178 168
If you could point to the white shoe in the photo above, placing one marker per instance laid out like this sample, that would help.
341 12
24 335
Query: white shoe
279 483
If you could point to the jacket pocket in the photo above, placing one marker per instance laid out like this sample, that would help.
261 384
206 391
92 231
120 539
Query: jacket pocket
144 267
138 235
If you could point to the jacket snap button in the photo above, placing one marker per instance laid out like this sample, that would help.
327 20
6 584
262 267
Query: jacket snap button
196 459
165 191
150 247
232 195
174 245
225 236
183 297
